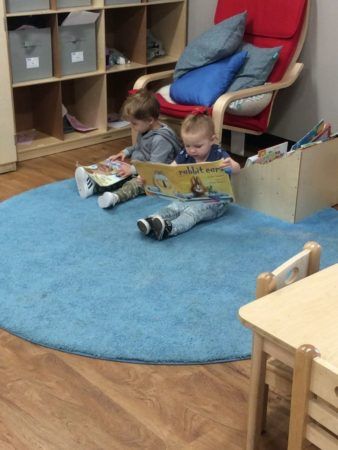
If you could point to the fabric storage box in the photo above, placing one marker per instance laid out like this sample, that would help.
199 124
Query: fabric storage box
13 6
72 3
293 187
78 48
30 54
119 2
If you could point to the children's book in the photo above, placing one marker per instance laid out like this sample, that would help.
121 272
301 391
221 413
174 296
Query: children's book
319 133
105 173
322 136
206 182
310 135
266 155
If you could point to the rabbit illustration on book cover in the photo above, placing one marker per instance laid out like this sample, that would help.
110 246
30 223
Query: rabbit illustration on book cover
197 187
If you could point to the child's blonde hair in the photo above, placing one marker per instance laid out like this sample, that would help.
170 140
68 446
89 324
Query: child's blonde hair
141 106
196 122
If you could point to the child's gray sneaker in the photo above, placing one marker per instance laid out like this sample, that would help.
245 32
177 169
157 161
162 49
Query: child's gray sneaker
161 227
107 200
85 184
145 225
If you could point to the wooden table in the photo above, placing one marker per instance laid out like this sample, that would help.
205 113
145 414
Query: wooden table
305 312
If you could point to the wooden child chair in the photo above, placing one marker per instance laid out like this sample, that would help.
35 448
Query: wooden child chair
278 375
314 401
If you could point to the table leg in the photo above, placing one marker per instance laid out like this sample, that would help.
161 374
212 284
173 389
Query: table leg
256 394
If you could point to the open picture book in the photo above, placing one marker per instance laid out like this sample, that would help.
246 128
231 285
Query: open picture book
104 173
206 182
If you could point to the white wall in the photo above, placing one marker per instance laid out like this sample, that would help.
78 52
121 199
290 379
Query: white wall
315 94
201 16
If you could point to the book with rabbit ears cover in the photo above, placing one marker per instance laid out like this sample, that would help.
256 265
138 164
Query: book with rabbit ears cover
206 182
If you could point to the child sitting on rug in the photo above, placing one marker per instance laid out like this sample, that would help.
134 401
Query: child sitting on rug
155 142
198 135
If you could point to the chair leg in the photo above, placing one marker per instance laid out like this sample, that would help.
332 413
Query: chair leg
256 394
265 407
237 143
300 395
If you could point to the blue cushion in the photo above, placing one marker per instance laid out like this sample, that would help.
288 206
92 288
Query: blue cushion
219 41
257 68
204 85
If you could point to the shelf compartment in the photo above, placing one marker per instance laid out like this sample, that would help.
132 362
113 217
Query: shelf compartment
82 75
38 108
158 2
75 5
124 67
75 136
40 142
162 61
34 82
46 145
85 99
14 6
126 32
118 86
121 2
72 3
122 25
162 17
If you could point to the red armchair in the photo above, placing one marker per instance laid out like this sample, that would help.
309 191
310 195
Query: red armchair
270 23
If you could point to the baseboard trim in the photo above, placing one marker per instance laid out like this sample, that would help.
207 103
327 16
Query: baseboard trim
11 167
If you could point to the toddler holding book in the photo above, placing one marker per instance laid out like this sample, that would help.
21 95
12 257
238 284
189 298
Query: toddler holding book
198 135
155 142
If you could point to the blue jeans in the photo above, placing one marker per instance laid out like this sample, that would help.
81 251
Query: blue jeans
185 215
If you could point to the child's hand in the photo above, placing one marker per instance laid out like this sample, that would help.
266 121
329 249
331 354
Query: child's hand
119 155
140 181
230 166
225 163
125 171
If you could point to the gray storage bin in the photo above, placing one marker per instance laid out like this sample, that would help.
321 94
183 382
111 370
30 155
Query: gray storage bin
13 6
73 3
119 2
78 48
31 54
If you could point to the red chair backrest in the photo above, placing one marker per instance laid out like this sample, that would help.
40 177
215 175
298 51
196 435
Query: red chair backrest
270 23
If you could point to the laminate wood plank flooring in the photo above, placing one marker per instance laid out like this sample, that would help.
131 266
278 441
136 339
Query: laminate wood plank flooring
56 401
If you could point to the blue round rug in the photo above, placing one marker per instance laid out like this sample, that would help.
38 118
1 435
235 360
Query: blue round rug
84 280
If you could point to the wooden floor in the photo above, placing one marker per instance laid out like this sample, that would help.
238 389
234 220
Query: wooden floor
52 400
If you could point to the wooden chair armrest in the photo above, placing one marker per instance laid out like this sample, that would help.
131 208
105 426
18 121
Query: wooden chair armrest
224 100
143 81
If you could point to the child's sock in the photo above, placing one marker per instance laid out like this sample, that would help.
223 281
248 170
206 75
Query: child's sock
108 199
85 184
